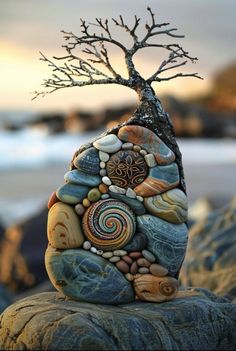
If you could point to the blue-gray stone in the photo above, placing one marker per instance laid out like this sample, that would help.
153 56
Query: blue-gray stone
134 204
82 178
167 241
88 161
138 243
198 320
87 277
72 193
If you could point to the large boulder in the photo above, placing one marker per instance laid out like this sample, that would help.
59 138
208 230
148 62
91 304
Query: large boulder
211 261
196 320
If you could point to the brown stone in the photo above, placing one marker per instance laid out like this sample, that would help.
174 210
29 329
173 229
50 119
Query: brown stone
134 268
142 262
122 266
52 200
135 254
103 188
158 270
156 289
127 259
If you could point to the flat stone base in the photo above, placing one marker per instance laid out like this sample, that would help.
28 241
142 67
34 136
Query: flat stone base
195 320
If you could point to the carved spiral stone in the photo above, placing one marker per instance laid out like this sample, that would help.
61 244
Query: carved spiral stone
127 169
109 224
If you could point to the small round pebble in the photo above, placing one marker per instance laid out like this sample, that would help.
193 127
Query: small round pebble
99 252
142 262
106 180
127 146
119 252
102 164
139 198
122 266
93 249
143 270
103 188
107 254
114 259
130 193
79 209
127 259
136 148
143 152
135 254
103 156
103 172
86 202
158 270
87 245
134 268
149 256
129 277
105 196
94 195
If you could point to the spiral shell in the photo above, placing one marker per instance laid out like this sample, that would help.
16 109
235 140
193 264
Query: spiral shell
157 289
109 224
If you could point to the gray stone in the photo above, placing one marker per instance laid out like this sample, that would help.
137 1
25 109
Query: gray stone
88 161
86 277
166 241
106 180
82 178
134 204
72 193
138 243
117 189
127 146
130 193
103 156
150 160
198 320
109 143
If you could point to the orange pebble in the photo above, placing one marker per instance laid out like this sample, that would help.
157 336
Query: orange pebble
103 188
52 200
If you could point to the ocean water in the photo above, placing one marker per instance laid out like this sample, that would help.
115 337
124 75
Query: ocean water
32 165
34 148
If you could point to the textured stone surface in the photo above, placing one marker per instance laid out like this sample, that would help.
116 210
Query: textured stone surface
72 193
148 141
126 169
211 256
160 179
166 241
82 178
134 204
88 161
171 206
109 224
64 228
49 321
109 143
87 277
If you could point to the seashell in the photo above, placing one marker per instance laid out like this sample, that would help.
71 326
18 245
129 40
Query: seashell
160 179
64 228
88 161
82 178
109 144
109 224
167 241
156 289
149 141
126 169
171 206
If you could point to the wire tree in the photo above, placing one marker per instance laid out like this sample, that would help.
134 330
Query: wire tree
72 70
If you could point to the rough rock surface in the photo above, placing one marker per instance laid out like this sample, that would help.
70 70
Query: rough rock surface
49 321
211 260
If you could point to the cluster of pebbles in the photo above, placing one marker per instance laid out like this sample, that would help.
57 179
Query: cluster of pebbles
121 185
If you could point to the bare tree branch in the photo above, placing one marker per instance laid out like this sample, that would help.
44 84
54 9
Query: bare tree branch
77 70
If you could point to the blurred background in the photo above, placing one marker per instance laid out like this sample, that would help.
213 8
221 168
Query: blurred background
39 137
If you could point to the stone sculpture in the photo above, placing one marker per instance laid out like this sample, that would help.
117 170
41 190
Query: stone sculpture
116 227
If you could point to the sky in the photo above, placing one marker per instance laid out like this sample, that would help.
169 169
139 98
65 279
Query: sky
30 26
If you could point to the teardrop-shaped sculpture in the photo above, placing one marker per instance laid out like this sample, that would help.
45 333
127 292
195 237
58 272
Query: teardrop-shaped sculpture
109 224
